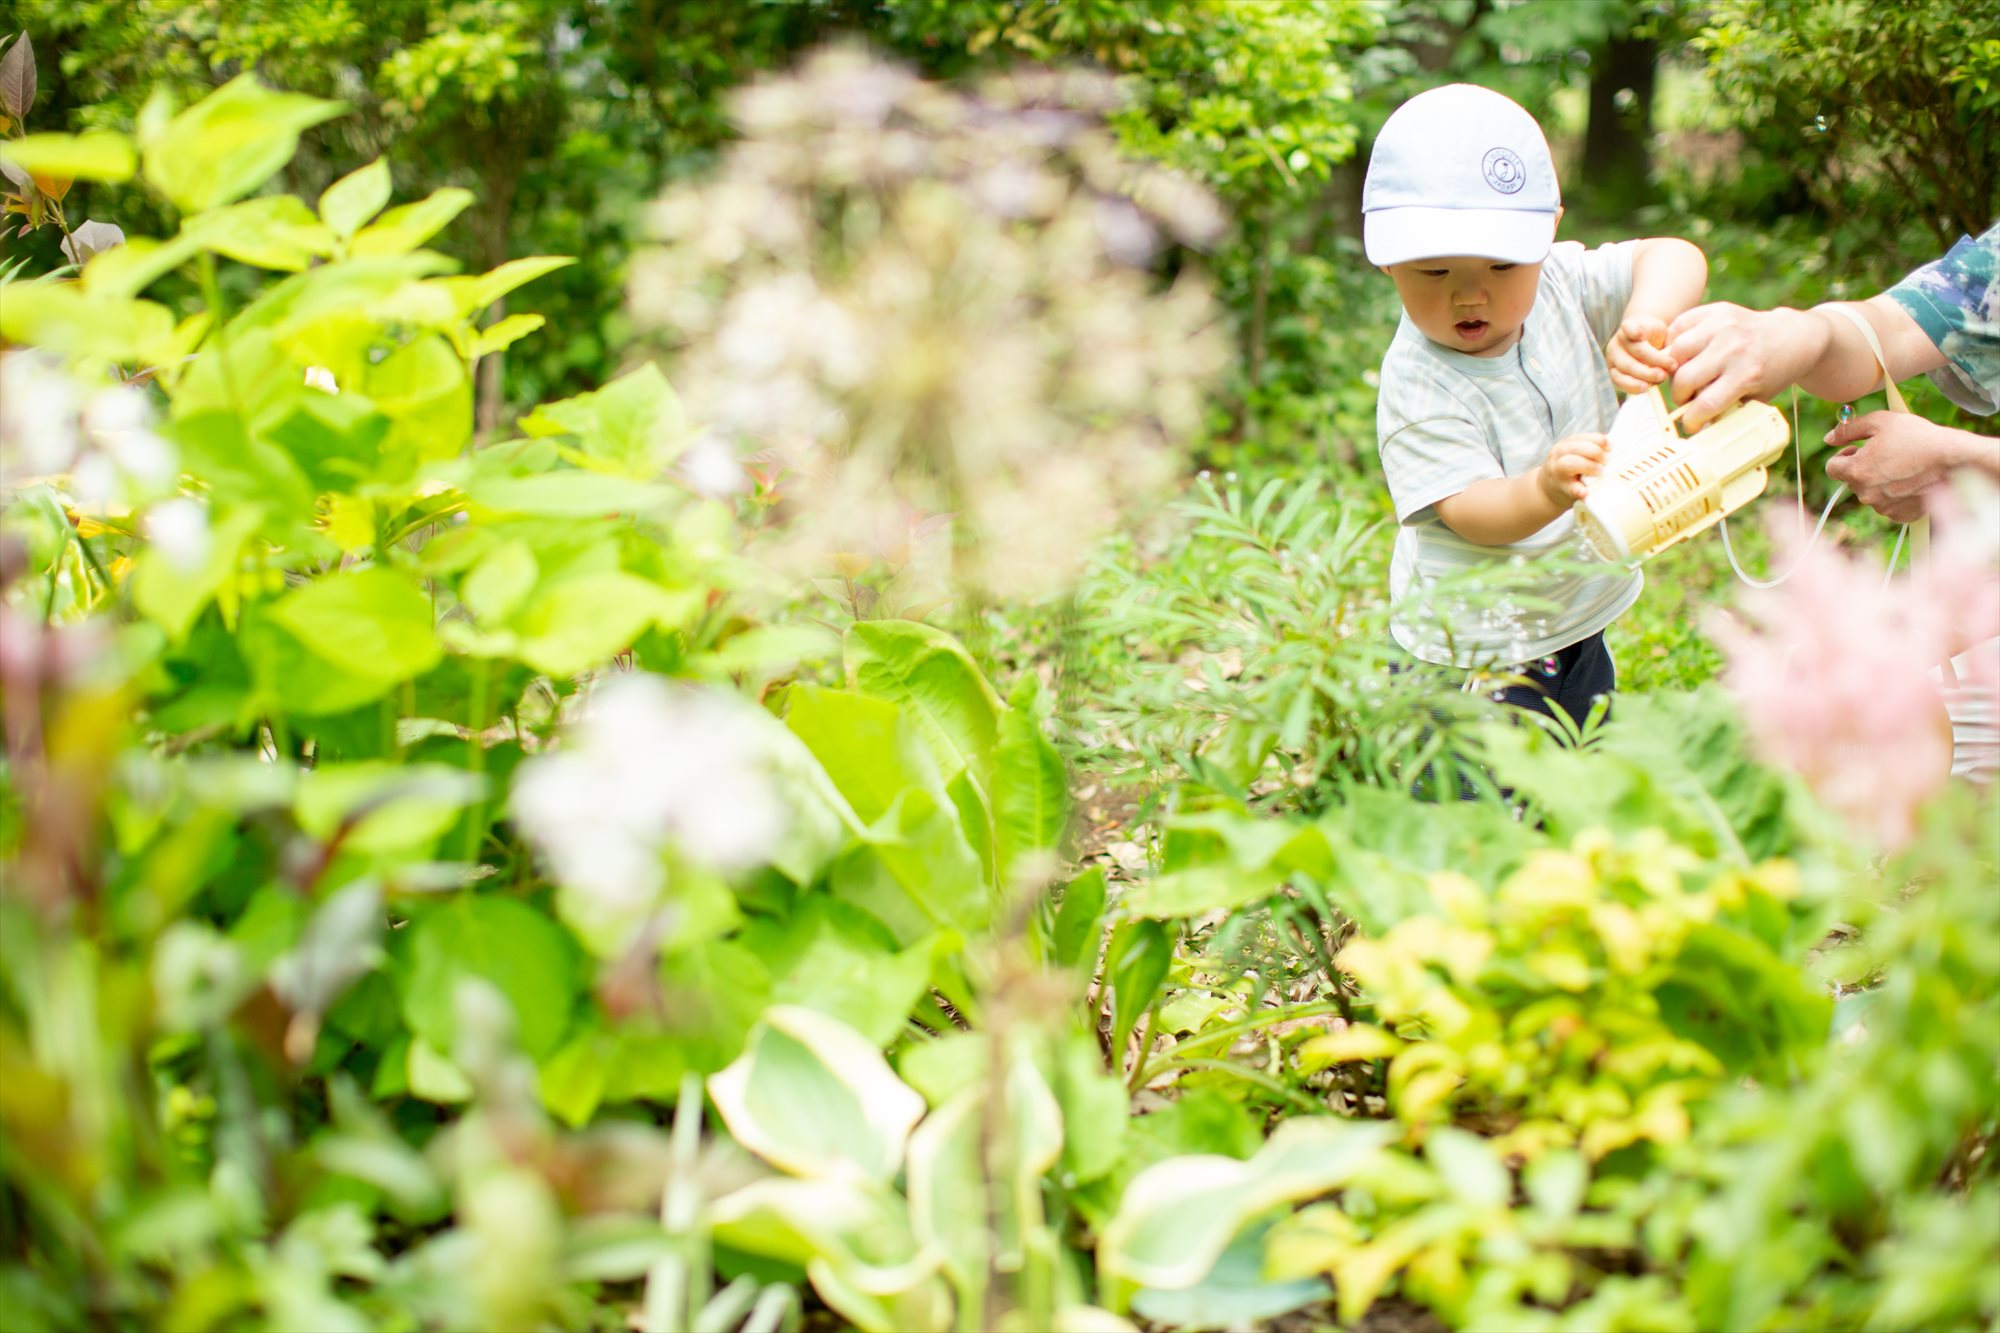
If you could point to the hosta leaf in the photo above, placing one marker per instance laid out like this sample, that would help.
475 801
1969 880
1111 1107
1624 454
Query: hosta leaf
1178 1216
931 676
814 1097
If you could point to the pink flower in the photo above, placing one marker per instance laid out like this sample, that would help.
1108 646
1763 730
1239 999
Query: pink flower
1836 675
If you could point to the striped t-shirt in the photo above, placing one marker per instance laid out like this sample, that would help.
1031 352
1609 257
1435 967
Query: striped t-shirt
1447 420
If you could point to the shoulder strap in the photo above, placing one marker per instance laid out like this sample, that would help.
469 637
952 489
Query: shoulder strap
1874 345
1919 531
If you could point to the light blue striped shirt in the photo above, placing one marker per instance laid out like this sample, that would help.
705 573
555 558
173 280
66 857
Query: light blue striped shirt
1447 420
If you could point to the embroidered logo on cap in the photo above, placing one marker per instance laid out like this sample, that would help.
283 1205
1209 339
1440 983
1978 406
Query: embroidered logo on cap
1504 170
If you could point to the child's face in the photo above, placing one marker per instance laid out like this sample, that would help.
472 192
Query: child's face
1471 305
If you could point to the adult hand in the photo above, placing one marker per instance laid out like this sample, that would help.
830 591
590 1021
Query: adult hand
1723 353
1635 356
1903 458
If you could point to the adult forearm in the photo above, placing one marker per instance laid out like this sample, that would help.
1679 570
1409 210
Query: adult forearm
1964 449
1500 511
1845 367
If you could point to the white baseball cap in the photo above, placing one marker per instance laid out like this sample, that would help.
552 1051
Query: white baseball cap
1460 170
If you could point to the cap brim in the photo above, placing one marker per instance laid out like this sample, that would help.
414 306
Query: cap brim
1513 236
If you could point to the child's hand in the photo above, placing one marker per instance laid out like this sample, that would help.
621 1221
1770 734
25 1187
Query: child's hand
1570 460
1636 354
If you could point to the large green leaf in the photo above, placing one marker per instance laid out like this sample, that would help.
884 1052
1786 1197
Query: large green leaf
65 319
950 1171
171 595
473 294
1234 1294
423 388
277 231
334 438
814 1097
1030 793
633 425
373 622
1178 1216
229 143
95 155
858 1231
935 681
401 230
349 202
861 744
826 956
380 806
521 952
576 623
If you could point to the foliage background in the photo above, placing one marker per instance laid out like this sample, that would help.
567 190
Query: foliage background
287 1107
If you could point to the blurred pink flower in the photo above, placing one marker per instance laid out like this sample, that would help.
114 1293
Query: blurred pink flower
1835 671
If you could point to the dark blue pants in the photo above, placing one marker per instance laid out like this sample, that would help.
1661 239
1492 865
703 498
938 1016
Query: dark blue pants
1570 679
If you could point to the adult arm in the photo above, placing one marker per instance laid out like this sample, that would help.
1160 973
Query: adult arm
1724 353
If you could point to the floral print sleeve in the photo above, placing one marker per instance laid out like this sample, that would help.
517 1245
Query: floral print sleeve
1956 301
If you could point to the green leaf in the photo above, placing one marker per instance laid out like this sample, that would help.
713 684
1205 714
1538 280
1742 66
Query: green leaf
1234 1293
569 495
372 622
229 143
67 320
95 155
580 622
1178 1216
1030 794
128 269
521 952
1135 963
403 229
1076 933
172 596
336 439
276 232
348 203
957 1207
424 390
1095 1111
930 675
473 294
385 807
814 1097
635 423
1469 1167
822 956
861 744
499 336
853 1238
500 582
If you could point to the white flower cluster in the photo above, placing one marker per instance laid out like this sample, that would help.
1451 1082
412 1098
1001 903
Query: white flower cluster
651 766
102 447
905 297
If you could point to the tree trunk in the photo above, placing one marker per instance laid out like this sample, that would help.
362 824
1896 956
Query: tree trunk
1618 143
